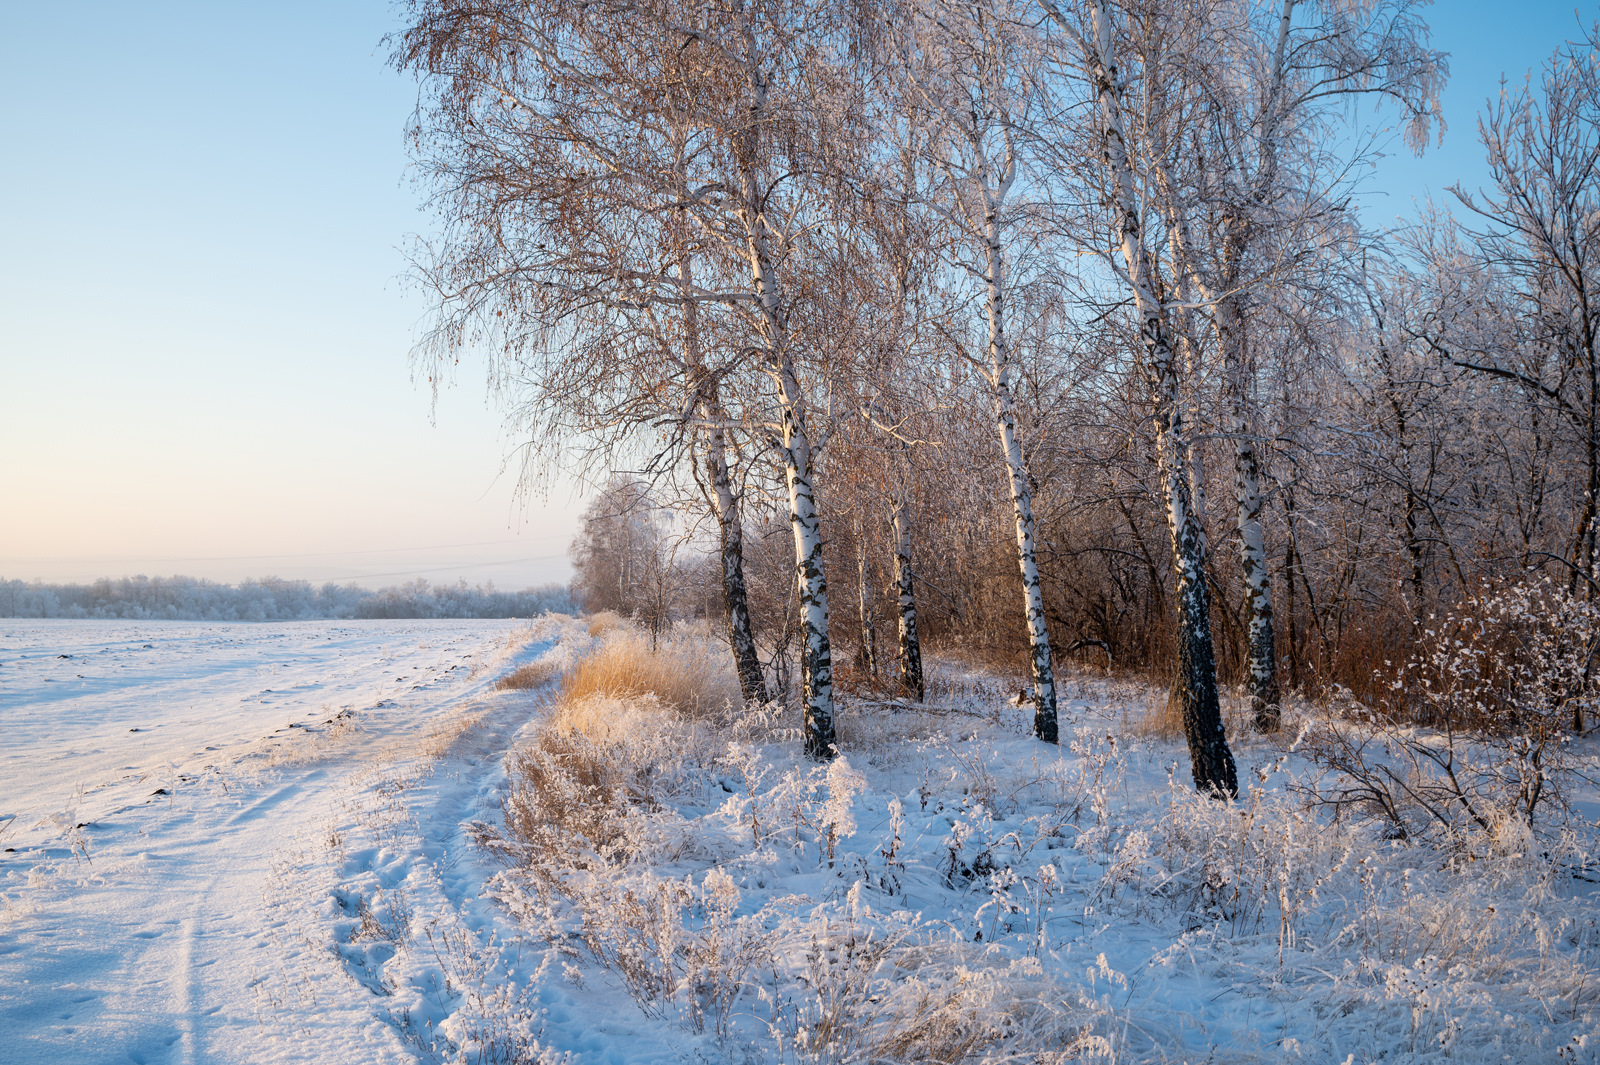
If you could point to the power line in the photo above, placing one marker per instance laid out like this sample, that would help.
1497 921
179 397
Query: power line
444 569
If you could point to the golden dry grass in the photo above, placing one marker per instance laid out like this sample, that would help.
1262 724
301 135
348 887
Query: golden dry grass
529 676
606 621
1162 717
624 716
685 675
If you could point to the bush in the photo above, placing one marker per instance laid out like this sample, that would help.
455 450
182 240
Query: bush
1474 732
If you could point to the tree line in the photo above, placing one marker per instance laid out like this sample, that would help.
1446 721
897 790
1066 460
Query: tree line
268 599
1003 314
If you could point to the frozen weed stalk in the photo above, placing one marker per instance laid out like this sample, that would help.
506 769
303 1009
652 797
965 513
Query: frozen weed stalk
837 817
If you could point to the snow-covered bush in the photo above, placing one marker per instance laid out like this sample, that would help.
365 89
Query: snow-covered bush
976 898
1475 735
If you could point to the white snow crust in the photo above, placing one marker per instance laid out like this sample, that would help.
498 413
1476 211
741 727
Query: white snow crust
164 781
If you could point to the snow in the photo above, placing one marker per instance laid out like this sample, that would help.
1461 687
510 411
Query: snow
219 886
161 779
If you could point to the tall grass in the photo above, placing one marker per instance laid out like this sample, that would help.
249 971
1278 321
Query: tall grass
529 676
685 674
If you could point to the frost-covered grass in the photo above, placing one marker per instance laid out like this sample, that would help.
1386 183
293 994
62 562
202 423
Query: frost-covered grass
950 889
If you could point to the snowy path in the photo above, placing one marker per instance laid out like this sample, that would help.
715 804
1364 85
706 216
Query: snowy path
210 771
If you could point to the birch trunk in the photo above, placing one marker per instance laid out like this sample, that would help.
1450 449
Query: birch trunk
869 633
730 530
1261 657
910 645
724 501
1211 761
816 661
1044 679
1293 650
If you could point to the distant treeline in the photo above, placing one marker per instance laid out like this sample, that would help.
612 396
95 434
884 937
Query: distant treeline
269 599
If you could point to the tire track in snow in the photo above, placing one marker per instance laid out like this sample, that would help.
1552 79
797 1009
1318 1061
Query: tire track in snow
151 946
446 918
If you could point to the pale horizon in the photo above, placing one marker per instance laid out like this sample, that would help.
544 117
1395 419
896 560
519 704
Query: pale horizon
206 369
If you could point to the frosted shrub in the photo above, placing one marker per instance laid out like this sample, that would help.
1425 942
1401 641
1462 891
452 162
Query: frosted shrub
897 990
1037 908
1259 865
814 804
1475 737
836 819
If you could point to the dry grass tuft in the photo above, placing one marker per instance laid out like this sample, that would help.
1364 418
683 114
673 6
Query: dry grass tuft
569 795
606 621
1161 717
852 681
630 722
685 675
531 675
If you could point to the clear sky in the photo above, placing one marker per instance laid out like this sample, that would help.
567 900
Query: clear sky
203 335
1485 39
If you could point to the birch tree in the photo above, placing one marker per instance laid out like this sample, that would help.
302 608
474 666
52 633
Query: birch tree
970 69
566 251
1094 38
690 130
1279 88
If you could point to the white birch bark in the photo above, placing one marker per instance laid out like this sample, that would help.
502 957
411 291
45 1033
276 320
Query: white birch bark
1261 657
724 501
1001 369
1211 761
795 447
975 107
816 661
1261 664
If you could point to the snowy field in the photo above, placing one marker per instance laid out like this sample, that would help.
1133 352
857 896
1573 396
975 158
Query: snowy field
307 843
162 780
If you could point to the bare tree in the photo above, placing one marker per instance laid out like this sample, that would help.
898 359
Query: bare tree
607 172
566 250
619 554
1541 238
1095 40
971 70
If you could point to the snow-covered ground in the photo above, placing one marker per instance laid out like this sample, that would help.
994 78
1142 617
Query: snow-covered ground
161 780
303 854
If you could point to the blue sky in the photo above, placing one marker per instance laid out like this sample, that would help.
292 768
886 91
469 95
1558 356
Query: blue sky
203 338
1485 40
